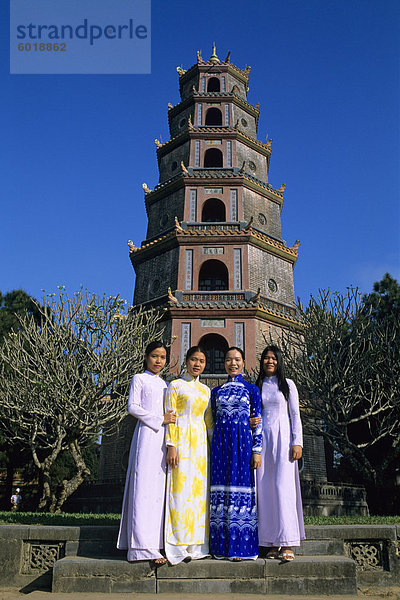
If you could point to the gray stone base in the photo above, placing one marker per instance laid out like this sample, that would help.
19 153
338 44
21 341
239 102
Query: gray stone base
306 575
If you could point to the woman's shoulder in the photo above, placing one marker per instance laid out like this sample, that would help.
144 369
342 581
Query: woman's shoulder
204 387
251 386
176 383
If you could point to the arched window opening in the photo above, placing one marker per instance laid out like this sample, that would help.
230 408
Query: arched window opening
215 347
214 117
213 276
213 158
213 85
213 211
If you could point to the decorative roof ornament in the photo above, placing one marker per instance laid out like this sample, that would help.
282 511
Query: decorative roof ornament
257 297
281 189
170 105
132 247
247 70
146 189
199 57
257 105
228 57
178 226
214 58
269 142
184 169
171 297
157 143
180 71
249 225
190 124
296 245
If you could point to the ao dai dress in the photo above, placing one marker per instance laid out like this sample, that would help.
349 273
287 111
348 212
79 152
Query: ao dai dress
141 527
280 512
233 512
186 522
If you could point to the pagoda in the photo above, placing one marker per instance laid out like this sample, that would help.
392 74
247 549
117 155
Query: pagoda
214 258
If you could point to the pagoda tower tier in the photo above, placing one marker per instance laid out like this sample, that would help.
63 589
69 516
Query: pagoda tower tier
214 257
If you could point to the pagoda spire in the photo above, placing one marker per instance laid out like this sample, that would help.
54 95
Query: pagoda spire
214 58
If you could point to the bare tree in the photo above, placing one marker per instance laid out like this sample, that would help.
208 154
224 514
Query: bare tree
67 378
347 367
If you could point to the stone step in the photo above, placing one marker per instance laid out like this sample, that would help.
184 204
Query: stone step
309 575
102 542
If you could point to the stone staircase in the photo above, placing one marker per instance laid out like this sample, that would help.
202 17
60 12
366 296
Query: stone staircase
320 568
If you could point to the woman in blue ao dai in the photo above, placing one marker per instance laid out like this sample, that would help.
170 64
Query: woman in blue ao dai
235 453
280 513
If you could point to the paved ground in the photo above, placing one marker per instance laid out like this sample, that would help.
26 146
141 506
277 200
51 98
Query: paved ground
363 594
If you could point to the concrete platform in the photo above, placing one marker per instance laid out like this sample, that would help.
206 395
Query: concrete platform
308 575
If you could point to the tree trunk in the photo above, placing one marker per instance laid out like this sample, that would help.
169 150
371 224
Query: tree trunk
71 485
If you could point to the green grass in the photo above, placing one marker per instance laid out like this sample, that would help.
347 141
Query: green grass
374 520
66 519
77 519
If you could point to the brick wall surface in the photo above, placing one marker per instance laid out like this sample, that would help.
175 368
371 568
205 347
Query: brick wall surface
265 212
156 275
264 266
251 157
162 213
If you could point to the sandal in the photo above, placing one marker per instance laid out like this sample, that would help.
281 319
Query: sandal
272 554
286 555
158 562
237 559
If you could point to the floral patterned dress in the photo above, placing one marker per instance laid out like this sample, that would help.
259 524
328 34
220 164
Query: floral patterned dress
186 516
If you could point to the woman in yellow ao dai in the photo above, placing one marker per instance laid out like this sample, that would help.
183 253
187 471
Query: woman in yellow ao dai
186 514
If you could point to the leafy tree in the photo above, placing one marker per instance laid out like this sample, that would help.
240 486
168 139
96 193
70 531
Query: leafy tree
67 378
347 366
13 305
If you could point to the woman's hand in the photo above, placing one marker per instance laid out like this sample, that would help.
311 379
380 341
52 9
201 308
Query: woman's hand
296 452
169 417
172 457
255 460
254 421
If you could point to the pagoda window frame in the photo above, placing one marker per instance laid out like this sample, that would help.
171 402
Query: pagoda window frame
212 112
223 282
212 80
218 205
222 347
212 152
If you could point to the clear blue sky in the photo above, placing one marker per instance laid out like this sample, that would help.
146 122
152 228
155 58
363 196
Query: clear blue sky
75 150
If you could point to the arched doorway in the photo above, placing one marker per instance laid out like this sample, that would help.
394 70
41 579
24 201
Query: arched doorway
213 85
213 158
213 211
214 117
215 347
213 276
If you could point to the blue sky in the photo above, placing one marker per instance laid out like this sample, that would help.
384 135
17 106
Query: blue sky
75 149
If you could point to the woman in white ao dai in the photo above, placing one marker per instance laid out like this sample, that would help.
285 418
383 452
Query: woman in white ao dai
142 520
280 511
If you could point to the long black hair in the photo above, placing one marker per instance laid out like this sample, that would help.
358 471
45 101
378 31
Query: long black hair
149 349
280 370
194 349
240 350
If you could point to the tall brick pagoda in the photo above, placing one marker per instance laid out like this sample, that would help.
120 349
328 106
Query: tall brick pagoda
214 256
